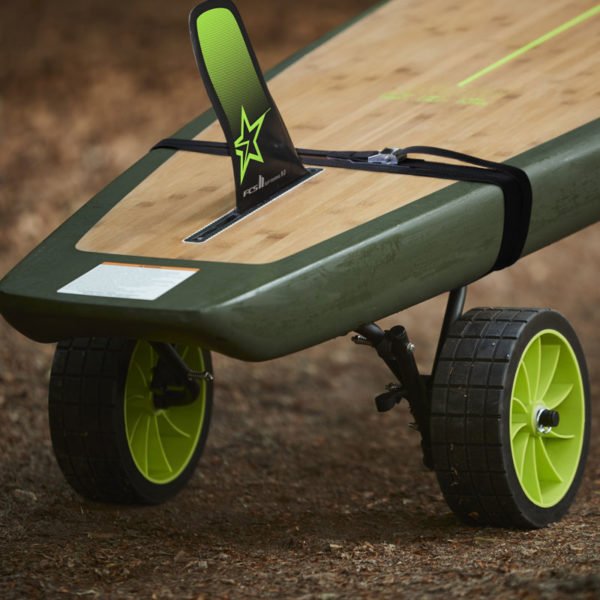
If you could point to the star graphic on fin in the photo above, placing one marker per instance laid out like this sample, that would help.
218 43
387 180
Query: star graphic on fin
247 144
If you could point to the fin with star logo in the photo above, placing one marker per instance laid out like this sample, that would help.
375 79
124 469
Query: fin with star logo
265 161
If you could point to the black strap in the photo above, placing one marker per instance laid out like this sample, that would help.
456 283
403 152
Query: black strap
221 149
513 182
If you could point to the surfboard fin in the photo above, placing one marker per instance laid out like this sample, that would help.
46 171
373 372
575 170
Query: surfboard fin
265 161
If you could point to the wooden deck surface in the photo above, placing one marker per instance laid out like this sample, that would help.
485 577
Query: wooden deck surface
404 75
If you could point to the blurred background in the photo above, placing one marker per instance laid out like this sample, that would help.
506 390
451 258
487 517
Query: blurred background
304 490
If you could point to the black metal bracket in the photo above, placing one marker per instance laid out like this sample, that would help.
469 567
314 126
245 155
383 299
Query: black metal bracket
173 383
454 309
397 351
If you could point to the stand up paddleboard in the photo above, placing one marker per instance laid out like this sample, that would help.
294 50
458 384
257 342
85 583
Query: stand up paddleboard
412 154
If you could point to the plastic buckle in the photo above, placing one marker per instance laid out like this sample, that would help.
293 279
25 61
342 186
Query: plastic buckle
388 156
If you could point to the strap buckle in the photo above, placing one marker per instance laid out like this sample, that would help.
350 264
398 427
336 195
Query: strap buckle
388 156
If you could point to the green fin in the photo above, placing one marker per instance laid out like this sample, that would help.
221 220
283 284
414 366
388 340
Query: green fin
265 161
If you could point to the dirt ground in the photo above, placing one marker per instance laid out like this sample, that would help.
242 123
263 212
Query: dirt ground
304 490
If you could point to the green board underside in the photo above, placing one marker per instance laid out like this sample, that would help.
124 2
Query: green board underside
257 312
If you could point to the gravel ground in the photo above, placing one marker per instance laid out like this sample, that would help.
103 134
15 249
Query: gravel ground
304 491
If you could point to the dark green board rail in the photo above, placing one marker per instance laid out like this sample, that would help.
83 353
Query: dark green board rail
257 312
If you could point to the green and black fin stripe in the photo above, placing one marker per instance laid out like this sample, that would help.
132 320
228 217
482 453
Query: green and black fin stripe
264 158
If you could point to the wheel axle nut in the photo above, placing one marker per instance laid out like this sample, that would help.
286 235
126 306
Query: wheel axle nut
548 418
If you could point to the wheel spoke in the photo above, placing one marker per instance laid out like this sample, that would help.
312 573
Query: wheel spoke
519 405
519 415
545 468
515 428
556 394
533 361
530 473
176 429
134 429
518 418
522 386
549 362
519 446
157 442
152 356
137 401
146 444
142 374
554 435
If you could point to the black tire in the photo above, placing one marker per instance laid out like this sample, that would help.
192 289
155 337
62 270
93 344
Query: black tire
88 423
471 418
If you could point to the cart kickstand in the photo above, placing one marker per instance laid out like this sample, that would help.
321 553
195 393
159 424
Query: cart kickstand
397 351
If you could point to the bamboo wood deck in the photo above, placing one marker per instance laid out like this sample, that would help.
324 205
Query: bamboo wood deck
404 75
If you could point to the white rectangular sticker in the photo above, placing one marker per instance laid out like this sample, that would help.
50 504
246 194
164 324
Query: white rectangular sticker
135 282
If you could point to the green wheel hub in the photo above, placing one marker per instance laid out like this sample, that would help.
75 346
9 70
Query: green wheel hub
161 441
546 458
